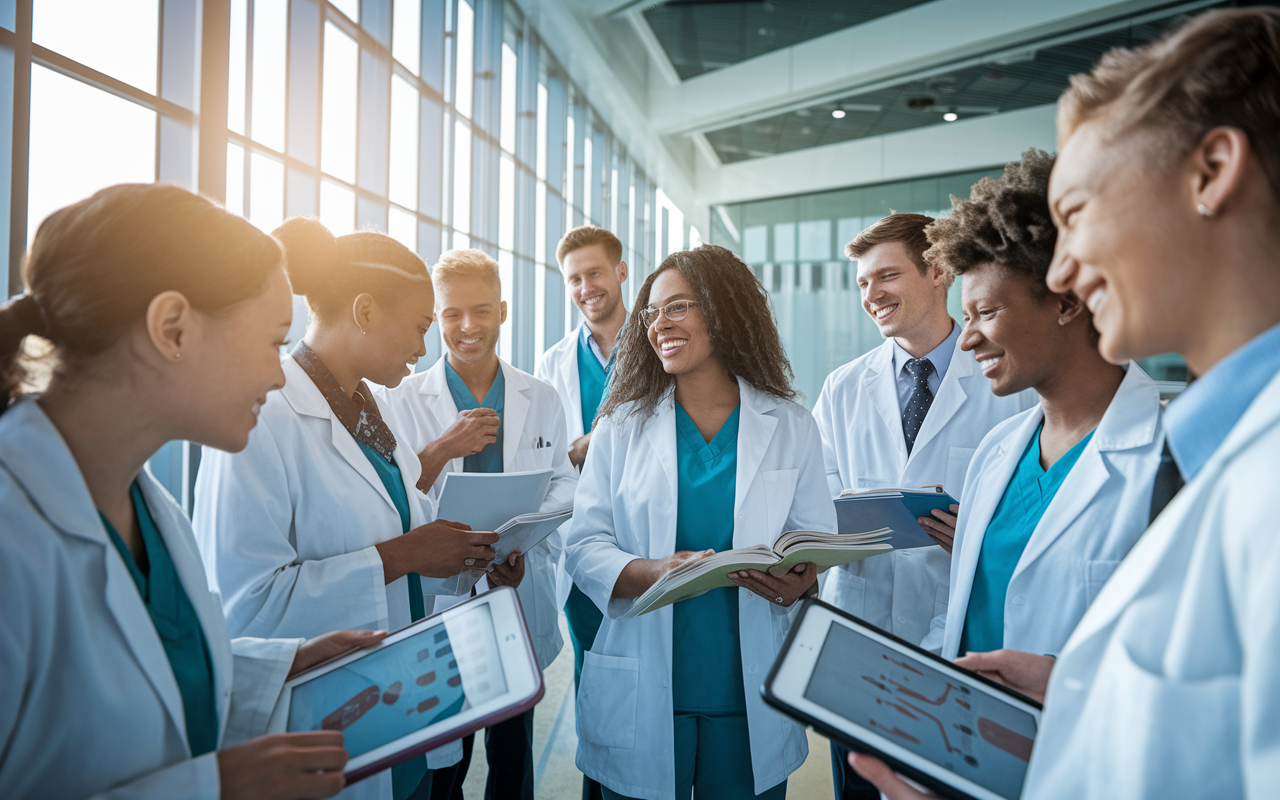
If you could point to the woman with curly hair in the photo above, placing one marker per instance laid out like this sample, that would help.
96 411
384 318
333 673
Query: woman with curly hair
1057 495
699 448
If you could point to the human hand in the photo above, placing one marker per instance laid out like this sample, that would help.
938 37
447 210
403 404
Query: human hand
509 572
578 450
322 648
1026 673
881 775
471 431
439 549
641 573
283 766
941 526
782 590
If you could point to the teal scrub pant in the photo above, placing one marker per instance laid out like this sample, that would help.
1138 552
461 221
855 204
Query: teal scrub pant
713 760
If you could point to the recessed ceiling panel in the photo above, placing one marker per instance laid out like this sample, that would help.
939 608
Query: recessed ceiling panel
704 35
1020 80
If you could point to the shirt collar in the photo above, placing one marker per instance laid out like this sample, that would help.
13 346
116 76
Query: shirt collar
594 347
939 356
1199 420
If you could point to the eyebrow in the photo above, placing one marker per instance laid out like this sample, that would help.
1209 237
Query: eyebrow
675 298
881 270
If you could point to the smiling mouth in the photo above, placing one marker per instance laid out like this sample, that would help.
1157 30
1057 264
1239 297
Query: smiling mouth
593 302
1096 297
883 313
669 346
469 342
988 363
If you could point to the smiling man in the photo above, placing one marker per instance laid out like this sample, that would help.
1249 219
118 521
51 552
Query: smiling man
474 412
908 414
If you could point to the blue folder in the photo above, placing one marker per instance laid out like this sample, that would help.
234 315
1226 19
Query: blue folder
896 509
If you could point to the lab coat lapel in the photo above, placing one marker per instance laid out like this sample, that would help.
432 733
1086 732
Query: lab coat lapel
755 432
880 385
951 396
438 401
515 412
55 484
574 387
305 398
1130 421
660 431
173 527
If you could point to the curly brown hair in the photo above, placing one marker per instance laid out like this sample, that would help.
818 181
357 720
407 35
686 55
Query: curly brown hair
740 323
1004 221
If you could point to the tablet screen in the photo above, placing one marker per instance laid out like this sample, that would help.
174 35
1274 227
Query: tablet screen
964 729
406 686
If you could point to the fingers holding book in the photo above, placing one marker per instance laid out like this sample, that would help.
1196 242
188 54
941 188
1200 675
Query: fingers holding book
781 590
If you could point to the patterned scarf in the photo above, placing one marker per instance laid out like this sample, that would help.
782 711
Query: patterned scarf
357 413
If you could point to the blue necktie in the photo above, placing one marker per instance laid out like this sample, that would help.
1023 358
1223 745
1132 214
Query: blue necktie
921 398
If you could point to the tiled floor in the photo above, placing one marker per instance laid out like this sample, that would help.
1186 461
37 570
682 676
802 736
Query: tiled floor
555 742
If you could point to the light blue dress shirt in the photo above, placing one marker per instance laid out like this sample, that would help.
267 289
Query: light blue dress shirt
1198 421
939 356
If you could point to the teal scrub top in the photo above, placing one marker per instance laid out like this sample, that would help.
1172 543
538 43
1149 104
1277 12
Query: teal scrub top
706 664
1029 493
593 379
405 776
177 624
490 458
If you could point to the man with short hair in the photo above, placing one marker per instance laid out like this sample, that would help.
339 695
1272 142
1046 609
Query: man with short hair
908 414
473 412
579 366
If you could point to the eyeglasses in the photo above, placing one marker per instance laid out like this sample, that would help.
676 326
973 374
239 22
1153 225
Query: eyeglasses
673 311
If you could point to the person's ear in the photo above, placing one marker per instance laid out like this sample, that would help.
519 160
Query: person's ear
502 312
622 272
1217 167
1069 308
169 323
362 311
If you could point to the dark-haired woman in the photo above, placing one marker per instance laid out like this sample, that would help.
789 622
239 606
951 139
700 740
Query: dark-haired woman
1057 495
317 524
699 448
165 314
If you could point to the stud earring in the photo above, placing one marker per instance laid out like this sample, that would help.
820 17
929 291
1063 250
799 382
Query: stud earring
1204 210
362 331
176 356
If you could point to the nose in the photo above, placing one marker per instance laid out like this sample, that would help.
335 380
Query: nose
279 382
1063 270
969 337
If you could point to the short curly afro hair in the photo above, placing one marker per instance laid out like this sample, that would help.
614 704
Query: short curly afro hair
1004 221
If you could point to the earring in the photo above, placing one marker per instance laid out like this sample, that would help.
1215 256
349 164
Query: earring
176 356
362 331
1204 210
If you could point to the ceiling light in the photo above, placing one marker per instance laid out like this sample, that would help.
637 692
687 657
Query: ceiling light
950 116
838 113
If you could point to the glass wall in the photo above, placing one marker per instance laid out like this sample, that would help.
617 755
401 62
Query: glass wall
444 123
796 247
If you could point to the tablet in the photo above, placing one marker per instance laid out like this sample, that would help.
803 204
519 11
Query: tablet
950 729
434 681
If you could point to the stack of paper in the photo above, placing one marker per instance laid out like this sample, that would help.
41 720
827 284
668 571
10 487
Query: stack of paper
897 509
526 531
825 550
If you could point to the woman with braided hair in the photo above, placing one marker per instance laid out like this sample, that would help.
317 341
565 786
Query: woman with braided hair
699 448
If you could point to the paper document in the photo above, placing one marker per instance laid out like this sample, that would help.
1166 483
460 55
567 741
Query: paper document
825 550
487 500
898 509
527 531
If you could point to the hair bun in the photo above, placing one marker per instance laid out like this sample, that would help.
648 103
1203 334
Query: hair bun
311 254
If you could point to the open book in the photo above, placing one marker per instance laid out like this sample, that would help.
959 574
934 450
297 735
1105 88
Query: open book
898 509
825 550
526 531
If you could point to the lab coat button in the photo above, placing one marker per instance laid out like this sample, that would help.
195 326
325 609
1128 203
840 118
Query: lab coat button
1018 600
753 667
901 620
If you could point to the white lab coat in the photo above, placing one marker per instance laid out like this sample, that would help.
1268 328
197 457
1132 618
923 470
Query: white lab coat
88 704
1101 509
861 425
559 367
1168 686
288 528
421 408
626 509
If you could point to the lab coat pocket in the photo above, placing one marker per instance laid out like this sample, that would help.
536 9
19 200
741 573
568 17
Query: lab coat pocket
1137 759
958 459
607 700
1097 573
779 491
940 598
846 590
